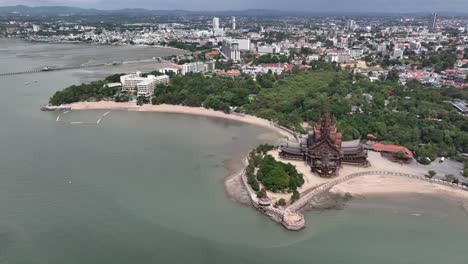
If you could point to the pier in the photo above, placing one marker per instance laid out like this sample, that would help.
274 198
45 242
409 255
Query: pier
73 67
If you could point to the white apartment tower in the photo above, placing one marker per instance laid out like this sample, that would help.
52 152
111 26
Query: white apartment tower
231 50
146 87
36 28
143 86
433 22
351 24
215 23
233 23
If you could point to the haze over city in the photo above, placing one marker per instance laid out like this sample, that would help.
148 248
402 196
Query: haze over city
382 6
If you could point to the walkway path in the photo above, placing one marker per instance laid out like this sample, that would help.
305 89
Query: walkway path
301 202
61 68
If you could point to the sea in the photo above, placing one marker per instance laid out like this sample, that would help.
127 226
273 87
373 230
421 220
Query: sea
149 187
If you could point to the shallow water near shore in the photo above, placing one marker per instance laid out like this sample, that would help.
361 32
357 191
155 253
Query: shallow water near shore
148 187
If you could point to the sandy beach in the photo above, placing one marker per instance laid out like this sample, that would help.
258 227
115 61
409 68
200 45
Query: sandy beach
232 183
371 185
178 109
366 185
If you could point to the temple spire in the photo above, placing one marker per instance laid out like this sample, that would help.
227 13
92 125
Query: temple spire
327 111
326 124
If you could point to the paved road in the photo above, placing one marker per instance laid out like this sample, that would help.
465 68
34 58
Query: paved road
446 167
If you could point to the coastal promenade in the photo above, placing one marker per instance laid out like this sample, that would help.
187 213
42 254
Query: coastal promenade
291 217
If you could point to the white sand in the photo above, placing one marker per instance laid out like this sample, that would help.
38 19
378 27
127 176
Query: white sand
165 108
368 185
358 186
107 105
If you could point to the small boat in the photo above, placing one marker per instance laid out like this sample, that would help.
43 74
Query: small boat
26 83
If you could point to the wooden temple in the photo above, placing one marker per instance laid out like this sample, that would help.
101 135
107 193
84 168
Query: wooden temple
323 148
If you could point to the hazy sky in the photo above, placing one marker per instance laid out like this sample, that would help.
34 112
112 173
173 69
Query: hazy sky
290 5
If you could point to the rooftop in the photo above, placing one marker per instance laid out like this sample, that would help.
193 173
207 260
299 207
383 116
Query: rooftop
392 148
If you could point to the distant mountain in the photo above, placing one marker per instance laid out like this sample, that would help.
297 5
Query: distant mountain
66 10
47 10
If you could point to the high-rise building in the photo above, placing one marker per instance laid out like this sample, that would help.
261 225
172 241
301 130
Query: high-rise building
356 52
244 44
147 86
215 23
267 49
231 50
36 28
382 47
398 54
143 86
195 67
350 24
433 22
233 23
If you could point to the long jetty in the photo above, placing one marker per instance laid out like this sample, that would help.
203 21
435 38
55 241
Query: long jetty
62 68
47 69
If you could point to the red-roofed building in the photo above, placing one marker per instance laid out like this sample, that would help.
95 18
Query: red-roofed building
230 73
290 67
450 71
392 149
211 54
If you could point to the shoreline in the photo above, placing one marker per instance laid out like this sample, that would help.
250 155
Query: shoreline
232 182
362 186
179 109
391 185
421 203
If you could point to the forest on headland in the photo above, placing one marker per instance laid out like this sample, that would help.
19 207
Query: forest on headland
417 116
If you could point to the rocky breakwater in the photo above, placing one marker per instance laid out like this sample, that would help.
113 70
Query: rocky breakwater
290 220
